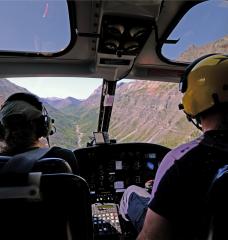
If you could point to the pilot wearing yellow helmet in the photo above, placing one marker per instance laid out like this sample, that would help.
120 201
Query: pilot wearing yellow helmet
204 85
178 207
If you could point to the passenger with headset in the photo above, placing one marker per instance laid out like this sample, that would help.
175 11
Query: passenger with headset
23 122
178 206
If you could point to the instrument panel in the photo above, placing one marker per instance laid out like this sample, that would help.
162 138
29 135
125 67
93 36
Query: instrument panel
110 168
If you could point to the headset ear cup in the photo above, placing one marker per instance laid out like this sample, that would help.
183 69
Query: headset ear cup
52 128
41 130
44 126
48 122
2 132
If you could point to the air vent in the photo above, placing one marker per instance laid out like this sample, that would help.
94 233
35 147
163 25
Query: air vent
123 35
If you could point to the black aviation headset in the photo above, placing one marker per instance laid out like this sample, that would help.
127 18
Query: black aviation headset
45 124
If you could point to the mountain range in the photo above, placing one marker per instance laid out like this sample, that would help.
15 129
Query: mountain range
143 110
75 120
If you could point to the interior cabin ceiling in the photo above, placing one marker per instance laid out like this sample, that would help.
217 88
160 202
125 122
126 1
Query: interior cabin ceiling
82 57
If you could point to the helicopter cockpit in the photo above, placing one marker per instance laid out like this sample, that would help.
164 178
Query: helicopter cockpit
149 43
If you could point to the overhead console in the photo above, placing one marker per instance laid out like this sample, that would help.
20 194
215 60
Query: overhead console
123 35
121 40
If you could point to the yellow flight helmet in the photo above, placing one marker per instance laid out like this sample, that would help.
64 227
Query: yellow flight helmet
204 84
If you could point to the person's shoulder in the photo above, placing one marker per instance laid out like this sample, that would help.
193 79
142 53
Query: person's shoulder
57 149
172 160
180 151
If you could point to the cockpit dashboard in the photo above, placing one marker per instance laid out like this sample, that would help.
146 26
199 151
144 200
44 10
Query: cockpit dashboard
110 168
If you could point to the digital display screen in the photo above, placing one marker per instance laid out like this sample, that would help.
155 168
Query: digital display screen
119 165
101 207
118 184
150 155
120 190
150 165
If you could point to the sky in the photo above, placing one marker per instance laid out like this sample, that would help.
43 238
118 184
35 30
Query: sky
61 87
79 88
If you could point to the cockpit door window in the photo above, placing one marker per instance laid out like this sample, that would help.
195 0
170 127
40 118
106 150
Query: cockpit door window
40 27
202 30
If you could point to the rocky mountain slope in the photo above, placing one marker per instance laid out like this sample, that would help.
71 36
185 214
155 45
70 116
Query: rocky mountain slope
148 111
143 111
193 51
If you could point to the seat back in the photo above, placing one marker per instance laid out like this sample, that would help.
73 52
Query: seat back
45 205
218 203
44 165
